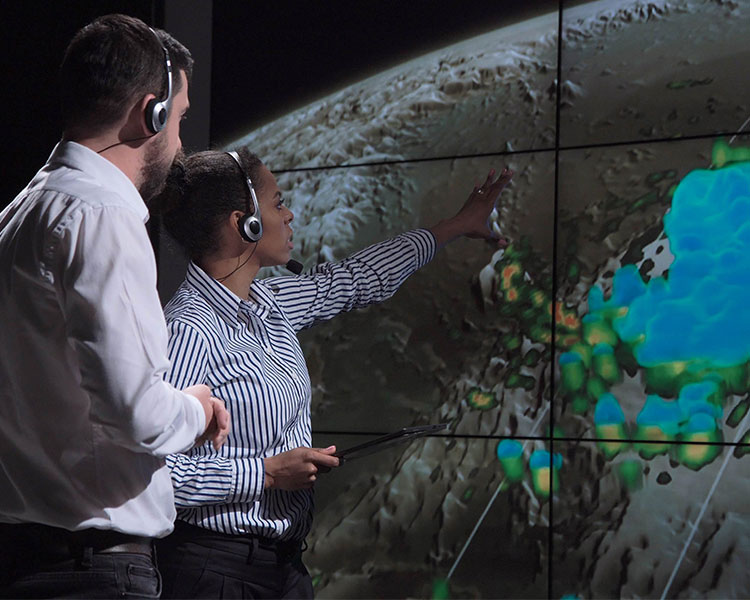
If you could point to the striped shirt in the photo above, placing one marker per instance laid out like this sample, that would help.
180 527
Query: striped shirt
248 353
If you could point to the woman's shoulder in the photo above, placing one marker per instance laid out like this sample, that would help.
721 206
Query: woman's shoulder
188 306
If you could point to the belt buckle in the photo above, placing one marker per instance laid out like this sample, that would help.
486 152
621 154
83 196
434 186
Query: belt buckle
106 541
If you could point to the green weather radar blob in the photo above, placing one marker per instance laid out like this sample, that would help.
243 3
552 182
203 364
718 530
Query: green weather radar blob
658 423
693 417
510 454
630 473
544 468
609 422
480 400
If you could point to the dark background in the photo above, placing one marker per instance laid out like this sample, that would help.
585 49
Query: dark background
286 53
35 35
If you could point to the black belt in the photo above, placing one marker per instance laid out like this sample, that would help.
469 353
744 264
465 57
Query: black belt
56 541
286 550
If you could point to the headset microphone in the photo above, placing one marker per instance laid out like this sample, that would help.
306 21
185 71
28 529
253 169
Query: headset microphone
294 266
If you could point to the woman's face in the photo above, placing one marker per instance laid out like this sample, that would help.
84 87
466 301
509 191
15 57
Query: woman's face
275 246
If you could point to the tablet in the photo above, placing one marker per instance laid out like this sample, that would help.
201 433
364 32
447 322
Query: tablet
386 441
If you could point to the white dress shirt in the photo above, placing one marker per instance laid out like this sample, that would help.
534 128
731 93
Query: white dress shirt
248 352
85 415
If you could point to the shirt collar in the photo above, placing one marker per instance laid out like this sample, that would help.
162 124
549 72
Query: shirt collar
262 297
79 157
225 302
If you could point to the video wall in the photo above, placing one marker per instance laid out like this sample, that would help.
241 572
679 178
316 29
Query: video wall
595 373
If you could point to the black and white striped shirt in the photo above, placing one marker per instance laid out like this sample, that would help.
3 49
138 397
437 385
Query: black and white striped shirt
248 353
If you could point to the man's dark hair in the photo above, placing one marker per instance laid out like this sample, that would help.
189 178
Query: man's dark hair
110 64
201 191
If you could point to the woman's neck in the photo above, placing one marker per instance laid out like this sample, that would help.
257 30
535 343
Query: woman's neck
235 273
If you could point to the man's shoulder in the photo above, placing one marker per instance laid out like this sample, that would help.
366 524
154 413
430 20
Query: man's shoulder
82 189
55 203
59 200
95 182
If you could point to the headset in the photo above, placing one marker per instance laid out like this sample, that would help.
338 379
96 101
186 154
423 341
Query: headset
251 229
157 111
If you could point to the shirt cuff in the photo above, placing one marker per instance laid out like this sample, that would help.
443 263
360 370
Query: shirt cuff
424 243
248 480
199 415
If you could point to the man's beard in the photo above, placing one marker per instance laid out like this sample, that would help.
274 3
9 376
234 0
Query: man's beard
155 170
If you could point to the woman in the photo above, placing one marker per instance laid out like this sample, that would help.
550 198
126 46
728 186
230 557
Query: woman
244 511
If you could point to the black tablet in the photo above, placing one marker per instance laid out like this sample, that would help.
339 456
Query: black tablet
385 441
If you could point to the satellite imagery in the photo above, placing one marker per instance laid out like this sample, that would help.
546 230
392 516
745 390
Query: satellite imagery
594 373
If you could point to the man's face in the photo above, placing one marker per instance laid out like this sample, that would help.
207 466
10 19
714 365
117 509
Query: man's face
164 146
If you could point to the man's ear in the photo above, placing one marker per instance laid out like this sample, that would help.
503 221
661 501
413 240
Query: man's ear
136 125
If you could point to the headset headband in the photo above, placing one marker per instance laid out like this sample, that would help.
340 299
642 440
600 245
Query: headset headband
157 111
250 226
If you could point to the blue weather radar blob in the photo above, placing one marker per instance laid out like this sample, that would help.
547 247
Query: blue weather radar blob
686 331
695 314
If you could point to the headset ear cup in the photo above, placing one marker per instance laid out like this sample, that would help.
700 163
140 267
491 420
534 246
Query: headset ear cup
249 224
250 228
156 115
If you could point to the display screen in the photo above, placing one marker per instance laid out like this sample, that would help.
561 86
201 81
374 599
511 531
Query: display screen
595 372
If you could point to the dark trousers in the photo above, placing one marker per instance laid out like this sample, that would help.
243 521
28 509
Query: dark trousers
37 561
198 563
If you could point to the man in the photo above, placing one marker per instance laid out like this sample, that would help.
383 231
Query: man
85 416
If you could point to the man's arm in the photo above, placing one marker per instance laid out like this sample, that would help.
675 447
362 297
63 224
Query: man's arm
117 330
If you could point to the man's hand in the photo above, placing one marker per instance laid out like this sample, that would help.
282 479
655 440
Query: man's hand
297 469
217 417
473 219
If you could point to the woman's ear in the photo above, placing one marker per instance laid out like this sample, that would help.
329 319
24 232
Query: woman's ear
232 219
233 224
